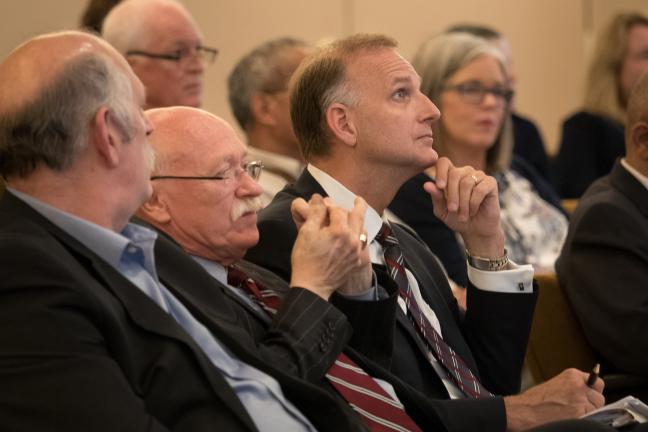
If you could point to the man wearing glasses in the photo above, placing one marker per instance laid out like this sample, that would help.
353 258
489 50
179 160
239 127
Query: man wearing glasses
163 44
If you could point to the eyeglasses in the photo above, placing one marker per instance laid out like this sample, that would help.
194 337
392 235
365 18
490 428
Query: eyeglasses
474 93
253 169
181 56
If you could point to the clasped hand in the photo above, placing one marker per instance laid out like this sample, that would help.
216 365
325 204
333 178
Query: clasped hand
328 255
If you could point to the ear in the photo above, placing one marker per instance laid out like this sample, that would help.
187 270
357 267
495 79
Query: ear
340 122
105 137
639 136
155 210
261 106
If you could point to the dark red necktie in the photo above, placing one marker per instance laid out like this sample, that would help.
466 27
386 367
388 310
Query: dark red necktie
456 368
378 409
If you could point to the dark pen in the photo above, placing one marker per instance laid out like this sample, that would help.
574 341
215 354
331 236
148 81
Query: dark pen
591 379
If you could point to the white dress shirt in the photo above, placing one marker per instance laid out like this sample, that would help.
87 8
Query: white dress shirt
514 279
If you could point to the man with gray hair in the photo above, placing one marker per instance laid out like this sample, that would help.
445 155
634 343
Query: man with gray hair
163 44
95 335
258 96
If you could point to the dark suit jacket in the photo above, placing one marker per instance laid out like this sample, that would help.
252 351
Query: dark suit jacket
491 339
604 269
589 146
528 145
81 348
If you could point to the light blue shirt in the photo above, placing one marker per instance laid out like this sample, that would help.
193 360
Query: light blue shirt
131 253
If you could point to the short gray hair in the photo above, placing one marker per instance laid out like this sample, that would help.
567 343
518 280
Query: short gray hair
261 70
53 129
436 61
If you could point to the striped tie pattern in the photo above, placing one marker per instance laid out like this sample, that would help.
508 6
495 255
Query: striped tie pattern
456 368
379 411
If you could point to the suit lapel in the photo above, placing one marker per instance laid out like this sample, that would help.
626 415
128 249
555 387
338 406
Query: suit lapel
306 185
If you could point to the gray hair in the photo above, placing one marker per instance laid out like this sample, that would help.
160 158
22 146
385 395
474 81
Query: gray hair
53 129
263 69
436 61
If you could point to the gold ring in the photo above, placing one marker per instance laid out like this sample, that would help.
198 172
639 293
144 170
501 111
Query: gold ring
363 240
474 177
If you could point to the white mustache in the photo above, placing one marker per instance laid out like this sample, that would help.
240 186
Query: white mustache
245 205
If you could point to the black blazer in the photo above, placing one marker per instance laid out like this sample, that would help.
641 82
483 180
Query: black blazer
528 145
491 337
604 269
82 349
589 146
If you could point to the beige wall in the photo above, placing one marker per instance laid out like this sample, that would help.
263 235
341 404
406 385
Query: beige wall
550 39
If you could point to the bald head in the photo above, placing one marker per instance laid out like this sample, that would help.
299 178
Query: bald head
144 30
183 135
213 216
50 88
134 24
37 63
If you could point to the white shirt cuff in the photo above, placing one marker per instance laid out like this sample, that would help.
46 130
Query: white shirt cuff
514 279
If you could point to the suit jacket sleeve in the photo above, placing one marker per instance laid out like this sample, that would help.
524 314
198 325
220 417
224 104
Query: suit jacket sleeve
606 275
303 338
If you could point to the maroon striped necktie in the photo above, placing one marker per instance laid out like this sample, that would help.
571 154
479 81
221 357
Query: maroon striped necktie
455 366
377 408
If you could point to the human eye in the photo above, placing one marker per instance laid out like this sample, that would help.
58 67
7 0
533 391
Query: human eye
471 89
180 53
401 93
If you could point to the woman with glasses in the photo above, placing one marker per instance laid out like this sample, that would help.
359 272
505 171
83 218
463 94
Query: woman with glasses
465 77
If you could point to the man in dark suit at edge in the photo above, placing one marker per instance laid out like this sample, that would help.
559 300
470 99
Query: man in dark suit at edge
604 262
365 128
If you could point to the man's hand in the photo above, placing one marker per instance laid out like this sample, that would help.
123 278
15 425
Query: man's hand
467 201
328 255
566 396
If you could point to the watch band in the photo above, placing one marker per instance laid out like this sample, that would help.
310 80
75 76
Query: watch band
487 264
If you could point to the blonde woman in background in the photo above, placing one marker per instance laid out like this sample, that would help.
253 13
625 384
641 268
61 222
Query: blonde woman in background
465 77
593 138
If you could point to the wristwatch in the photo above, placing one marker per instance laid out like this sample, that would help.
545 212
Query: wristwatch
481 263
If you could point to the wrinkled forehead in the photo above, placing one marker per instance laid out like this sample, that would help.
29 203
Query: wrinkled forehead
382 67
193 137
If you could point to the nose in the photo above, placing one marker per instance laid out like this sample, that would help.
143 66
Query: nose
196 64
429 111
148 126
492 100
248 187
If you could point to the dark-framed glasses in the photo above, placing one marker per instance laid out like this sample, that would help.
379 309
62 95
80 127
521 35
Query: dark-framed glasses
474 93
253 169
181 56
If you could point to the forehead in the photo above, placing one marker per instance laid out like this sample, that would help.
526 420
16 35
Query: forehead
383 67
638 36
170 25
212 143
484 67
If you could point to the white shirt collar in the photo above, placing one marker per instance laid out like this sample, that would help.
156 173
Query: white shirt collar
344 198
635 173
